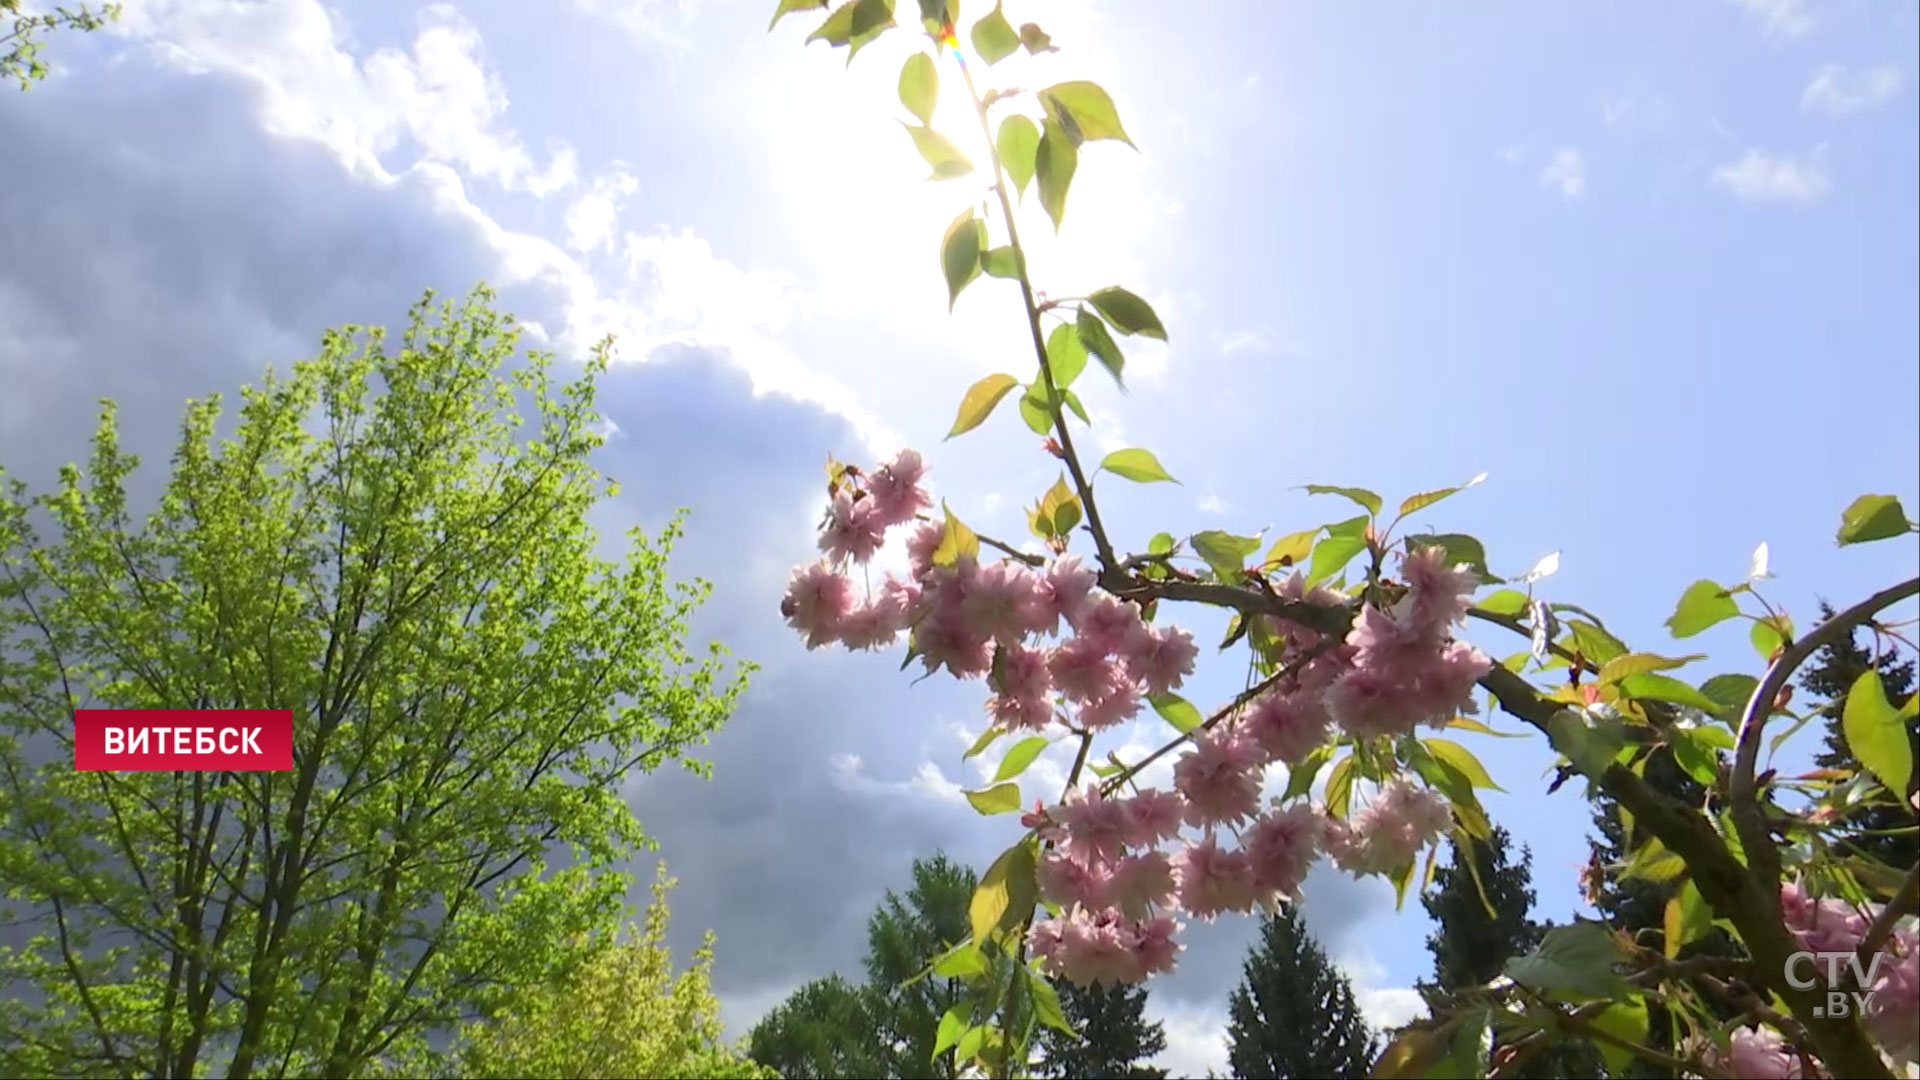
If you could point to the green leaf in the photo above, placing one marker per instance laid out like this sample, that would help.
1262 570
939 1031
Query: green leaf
1053 164
962 961
1704 604
1291 548
953 1026
1594 642
1086 108
1468 723
1005 894
1128 313
998 799
1504 602
1577 959
1428 498
1046 1002
1461 549
1877 734
1139 466
1225 552
1362 496
1073 402
1729 693
920 86
994 37
1769 633
1331 555
1001 262
1033 409
1649 686
1637 663
1161 544
1695 755
960 253
1035 39
1066 357
1626 1021
1653 862
970 1042
788 7
943 154
956 542
837 30
1177 711
1059 511
1019 146
1095 339
1300 777
1588 742
1339 792
1872 517
979 402
1021 756
1462 759
1686 919
987 738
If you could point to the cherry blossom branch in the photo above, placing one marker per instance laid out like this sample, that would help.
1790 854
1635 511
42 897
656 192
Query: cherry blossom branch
1054 400
1748 819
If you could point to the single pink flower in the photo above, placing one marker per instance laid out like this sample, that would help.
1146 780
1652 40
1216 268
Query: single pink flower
1287 727
1141 882
1213 879
1159 659
1153 815
895 488
1282 845
1219 778
818 601
853 531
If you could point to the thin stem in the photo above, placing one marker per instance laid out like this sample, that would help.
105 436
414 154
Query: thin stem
1080 484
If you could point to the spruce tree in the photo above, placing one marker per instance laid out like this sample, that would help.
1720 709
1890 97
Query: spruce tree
1115 1035
1293 1014
1828 677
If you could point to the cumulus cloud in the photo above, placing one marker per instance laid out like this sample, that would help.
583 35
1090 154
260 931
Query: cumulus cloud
1780 18
1761 176
592 215
1837 91
1566 173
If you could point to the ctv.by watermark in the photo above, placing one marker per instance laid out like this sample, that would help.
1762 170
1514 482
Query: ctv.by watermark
1840 1003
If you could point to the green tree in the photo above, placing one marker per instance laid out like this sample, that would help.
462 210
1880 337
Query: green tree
1881 830
826 1030
1293 1014
903 935
621 1013
394 544
20 46
1471 946
1114 1035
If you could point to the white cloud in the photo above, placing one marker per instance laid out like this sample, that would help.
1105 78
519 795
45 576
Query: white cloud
1512 155
1836 91
590 218
1567 173
662 22
850 774
1196 1036
1212 503
1385 1006
1781 18
1259 340
1758 176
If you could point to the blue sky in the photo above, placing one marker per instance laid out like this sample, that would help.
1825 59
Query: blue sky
1651 266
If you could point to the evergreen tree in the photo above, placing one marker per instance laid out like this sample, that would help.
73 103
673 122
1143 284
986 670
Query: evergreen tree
1293 1014
1471 947
1115 1035
827 1030
1828 677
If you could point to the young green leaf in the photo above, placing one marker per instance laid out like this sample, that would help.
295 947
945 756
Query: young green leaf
1578 958
956 541
837 30
1225 552
1033 409
1019 146
1073 402
1300 777
1001 262
986 739
1128 313
940 152
1704 604
1046 1003
1095 339
1650 686
994 38
1872 517
1339 790
1626 1021
1729 693
1084 107
962 961
1035 39
1177 711
1331 555
788 7
953 1025
1053 166
1292 548
1637 663
1877 732
1365 498
1005 894
1769 633
1021 756
1066 357
998 799
1503 602
979 402
1687 917
920 86
1461 758
960 253
1428 498
1139 466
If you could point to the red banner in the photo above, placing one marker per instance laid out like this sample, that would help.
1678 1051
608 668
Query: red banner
172 740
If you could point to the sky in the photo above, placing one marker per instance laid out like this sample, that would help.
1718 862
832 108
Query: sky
1650 266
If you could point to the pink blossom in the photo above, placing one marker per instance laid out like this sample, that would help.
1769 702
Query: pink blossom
1068 881
1160 659
817 602
1119 704
1104 622
1059 592
921 544
1894 999
1219 778
1821 925
1088 946
873 625
1369 702
1153 815
1213 879
1140 882
1758 1053
1287 726
1092 827
1393 828
1439 595
1022 672
944 641
895 488
1295 588
853 530
1281 845
996 601
1020 713
1155 949
1083 671
1378 635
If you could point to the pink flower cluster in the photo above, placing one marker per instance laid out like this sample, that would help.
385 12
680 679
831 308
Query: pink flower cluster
1118 889
1832 925
1757 1053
